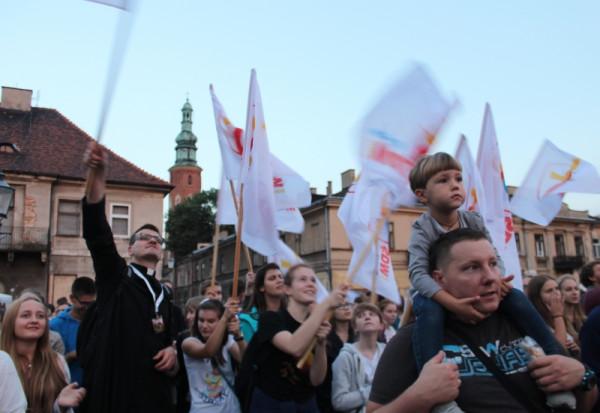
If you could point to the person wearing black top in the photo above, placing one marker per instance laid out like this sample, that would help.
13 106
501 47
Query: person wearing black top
125 340
282 338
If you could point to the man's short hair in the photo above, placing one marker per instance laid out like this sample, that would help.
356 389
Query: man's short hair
206 283
62 301
83 286
440 249
151 227
430 165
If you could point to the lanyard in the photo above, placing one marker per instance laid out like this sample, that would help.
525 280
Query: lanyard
154 299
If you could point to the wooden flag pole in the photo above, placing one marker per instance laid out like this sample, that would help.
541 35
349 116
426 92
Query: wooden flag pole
235 204
213 270
238 244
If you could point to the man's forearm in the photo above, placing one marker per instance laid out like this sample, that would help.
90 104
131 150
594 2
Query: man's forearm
408 401
586 400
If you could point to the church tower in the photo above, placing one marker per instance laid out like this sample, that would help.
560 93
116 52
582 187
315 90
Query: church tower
185 175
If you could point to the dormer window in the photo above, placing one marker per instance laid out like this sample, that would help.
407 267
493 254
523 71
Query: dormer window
7 147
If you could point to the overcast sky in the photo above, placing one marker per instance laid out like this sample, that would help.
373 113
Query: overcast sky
320 65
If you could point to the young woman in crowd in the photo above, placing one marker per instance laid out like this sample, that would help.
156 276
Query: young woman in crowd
355 366
267 295
340 334
207 356
574 316
546 297
282 339
44 373
590 275
389 311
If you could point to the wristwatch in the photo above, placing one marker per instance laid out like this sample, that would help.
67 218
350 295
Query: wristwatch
588 382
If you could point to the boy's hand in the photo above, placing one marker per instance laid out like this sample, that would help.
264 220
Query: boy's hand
505 285
464 309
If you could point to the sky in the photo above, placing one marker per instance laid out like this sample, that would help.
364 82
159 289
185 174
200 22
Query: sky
321 65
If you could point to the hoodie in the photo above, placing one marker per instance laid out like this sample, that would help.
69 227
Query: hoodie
351 386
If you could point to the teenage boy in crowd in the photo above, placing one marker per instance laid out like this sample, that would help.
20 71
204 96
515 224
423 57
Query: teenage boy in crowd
66 323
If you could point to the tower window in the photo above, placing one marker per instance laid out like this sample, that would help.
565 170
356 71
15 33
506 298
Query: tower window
189 179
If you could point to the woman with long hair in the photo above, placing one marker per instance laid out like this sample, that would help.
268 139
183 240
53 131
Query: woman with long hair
545 295
283 337
207 355
267 295
574 316
44 373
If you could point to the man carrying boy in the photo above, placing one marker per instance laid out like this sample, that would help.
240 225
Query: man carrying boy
464 264
436 180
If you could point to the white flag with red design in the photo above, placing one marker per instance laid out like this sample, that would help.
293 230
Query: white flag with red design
286 258
259 230
291 191
399 130
359 212
553 173
471 179
498 218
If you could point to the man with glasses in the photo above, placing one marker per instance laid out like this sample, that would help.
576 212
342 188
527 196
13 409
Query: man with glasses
66 323
125 341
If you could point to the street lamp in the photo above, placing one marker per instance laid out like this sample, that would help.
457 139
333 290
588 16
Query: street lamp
6 196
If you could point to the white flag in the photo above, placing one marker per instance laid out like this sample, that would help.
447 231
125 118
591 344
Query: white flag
289 220
286 258
399 130
259 230
359 212
498 218
471 179
230 140
291 190
119 4
552 174
226 214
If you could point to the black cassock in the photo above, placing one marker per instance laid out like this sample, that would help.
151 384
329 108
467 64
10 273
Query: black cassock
119 341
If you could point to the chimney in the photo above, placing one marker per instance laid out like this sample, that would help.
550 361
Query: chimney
16 99
329 188
313 190
347 178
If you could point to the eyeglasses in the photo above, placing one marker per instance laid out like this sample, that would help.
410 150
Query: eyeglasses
85 303
150 237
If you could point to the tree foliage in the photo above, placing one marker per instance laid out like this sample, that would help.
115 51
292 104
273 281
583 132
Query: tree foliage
191 222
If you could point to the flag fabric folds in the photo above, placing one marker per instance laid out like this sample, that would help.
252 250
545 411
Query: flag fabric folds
119 4
553 173
359 212
498 217
474 191
259 230
399 130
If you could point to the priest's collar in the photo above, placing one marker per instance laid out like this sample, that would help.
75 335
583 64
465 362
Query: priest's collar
149 272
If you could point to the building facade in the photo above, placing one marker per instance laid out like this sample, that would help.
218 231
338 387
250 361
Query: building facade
41 244
570 241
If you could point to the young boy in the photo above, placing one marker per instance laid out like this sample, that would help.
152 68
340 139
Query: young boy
436 180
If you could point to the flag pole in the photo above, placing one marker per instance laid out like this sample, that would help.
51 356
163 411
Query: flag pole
238 244
114 69
213 271
235 204
350 278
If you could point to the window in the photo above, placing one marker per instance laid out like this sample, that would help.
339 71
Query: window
189 179
68 220
596 247
119 219
391 239
559 240
579 248
518 242
540 248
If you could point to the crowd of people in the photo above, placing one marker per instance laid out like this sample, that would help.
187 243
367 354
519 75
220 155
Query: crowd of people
465 340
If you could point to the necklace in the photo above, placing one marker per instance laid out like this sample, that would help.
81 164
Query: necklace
452 226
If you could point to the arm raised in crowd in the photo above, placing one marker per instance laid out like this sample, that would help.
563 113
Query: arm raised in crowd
298 342
318 369
195 348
